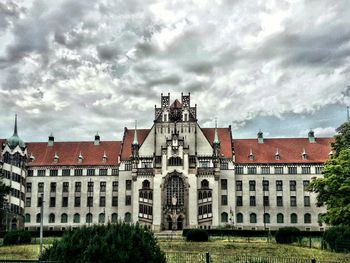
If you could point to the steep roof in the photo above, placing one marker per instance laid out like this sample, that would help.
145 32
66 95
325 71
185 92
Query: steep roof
289 149
176 104
224 137
128 139
68 153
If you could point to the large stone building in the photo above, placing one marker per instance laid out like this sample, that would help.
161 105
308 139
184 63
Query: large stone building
173 175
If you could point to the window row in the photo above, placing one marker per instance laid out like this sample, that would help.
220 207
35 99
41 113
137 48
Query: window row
280 218
266 201
77 201
266 185
75 172
77 187
277 170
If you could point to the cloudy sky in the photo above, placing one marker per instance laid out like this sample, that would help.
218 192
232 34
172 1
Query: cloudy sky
76 67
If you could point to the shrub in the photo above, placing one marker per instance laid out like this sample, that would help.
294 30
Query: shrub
338 238
197 235
16 238
287 235
106 243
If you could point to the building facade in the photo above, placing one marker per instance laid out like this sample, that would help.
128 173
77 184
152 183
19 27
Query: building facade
171 176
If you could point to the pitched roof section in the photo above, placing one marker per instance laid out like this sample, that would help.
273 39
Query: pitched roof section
224 137
128 139
176 104
289 149
68 153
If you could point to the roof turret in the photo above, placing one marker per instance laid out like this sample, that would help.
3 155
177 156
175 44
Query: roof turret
15 140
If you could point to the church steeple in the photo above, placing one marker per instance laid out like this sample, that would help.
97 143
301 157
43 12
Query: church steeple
135 145
216 137
135 141
14 140
15 128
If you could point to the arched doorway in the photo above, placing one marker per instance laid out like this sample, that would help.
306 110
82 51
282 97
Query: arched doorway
180 220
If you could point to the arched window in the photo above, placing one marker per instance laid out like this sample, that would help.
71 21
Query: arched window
114 218
266 218
88 218
200 195
209 194
175 187
27 218
224 217
127 217
280 218
239 218
51 218
150 195
76 218
205 195
146 184
64 218
101 218
307 218
294 218
204 184
38 218
141 194
252 218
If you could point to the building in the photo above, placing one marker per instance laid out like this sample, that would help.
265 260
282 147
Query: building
171 176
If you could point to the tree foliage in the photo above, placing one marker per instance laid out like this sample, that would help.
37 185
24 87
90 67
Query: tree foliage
334 188
287 235
106 243
4 190
197 235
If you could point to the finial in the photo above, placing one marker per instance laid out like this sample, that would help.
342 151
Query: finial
216 137
15 128
135 141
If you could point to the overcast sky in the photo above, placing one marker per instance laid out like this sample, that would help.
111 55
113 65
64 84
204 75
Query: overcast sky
76 67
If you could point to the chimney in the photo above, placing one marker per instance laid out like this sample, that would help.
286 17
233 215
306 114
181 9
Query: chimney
51 140
311 136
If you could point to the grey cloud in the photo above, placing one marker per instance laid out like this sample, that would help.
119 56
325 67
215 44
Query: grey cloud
107 52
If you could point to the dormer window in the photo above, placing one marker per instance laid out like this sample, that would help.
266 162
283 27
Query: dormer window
31 157
251 156
104 157
277 155
304 155
330 155
80 158
56 158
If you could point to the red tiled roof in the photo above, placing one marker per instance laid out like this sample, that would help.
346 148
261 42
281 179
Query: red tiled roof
290 150
224 137
68 153
128 139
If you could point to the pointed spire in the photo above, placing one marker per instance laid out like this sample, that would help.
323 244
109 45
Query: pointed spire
135 141
15 128
216 137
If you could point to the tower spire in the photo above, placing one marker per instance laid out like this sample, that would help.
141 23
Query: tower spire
135 141
15 128
216 137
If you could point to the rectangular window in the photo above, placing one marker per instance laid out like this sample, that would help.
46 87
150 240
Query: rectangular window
293 201
65 187
224 165
252 185
54 172
102 201
40 201
40 187
115 186
306 170
65 201
306 200
239 200
114 200
90 187
77 201
78 172
279 200
30 173
265 170
292 170
224 200
52 201
90 172
251 170
128 200
239 169
103 172
292 185
318 169
28 202
29 187
306 185
128 184
77 186
252 201
102 186
90 201
53 187
238 185
278 170
65 172
266 201
128 167
41 172
279 185
265 185
115 172
223 184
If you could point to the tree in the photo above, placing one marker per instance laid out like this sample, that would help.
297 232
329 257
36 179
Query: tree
334 188
4 190
122 243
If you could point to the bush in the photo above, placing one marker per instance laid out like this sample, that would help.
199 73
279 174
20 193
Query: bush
338 238
106 243
16 238
197 235
287 235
